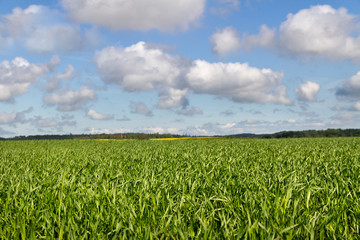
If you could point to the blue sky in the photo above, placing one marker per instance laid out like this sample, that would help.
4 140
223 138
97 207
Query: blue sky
192 67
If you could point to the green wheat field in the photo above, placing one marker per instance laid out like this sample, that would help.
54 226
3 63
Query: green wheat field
183 189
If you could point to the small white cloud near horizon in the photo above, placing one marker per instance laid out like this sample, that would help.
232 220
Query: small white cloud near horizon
98 116
308 91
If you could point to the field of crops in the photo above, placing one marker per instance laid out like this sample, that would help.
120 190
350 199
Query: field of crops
217 189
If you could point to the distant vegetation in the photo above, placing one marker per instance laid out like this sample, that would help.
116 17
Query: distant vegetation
146 136
306 133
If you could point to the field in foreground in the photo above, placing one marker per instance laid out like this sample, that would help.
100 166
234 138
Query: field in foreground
255 189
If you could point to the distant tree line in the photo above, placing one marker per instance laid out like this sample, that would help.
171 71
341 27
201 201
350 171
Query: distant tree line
305 134
145 136
139 136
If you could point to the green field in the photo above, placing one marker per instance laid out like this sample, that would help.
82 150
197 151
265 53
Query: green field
246 189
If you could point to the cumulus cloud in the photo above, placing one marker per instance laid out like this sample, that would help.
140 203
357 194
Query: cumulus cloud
143 68
98 116
350 88
265 38
238 82
308 91
171 97
160 130
225 41
321 31
136 14
140 108
317 32
209 129
70 100
16 77
43 30
138 67
106 130
14 117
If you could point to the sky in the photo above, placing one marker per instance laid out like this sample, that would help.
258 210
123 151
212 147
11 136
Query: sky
194 67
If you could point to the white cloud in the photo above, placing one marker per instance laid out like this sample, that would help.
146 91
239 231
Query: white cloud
308 91
16 77
43 30
238 82
171 97
209 129
321 31
351 87
143 68
317 32
14 117
225 41
98 116
291 120
136 14
265 38
107 131
140 108
70 100
138 67
160 130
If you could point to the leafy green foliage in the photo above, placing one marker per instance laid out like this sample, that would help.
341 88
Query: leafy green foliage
252 189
